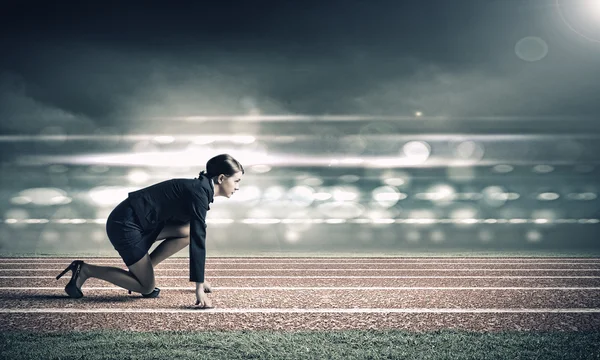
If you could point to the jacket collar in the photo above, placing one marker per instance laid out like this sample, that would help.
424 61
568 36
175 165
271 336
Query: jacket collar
211 193
209 186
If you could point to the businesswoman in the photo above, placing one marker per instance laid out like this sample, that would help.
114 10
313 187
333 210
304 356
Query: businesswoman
173 211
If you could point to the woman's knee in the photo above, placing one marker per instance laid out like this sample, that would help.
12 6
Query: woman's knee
143 271
148 287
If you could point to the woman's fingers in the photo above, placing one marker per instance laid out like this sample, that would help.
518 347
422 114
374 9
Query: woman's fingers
203 301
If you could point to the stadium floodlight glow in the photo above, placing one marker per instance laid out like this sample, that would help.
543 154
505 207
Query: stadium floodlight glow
438 193
579 14
345 193
273 193
587 196
42 197
543 169
109 195
137 176
322 196
503 168
341 209
20 200
37 221
164 139
593 8
203 140
261 169
335 221
517 221
301 195
352 161
382 221
261 221
387 196
242 139
312 181
247 194
416 152
548 196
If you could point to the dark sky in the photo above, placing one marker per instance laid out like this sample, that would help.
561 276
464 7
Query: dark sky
86 65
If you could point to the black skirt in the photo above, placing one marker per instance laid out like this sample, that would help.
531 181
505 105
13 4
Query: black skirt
127 236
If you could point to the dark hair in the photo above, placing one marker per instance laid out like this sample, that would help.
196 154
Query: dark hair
222 164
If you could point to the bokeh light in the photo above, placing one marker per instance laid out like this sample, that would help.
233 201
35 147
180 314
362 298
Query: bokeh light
341 209
42 197
416 152
543 169
138 176
503 168
109 195
531 48
494 196
301 195
387 196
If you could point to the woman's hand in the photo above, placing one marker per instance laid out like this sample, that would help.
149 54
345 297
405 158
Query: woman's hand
202 299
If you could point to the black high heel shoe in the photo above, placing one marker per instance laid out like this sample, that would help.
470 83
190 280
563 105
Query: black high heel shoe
71 288
153 294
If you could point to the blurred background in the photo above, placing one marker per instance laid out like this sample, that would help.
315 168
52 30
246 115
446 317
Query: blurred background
363 127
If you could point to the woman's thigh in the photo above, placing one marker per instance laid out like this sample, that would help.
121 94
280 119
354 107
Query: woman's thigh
174 231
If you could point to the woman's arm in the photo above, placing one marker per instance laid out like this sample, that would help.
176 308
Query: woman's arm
198 237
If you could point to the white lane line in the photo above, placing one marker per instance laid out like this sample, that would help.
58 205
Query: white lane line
318 262
339 259
323 270
345 277
293 288
324 263
303 311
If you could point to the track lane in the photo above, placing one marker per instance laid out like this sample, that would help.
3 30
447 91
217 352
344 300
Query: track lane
366 281
484 309
331 298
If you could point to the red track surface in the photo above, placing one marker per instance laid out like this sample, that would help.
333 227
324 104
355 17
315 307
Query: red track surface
481 294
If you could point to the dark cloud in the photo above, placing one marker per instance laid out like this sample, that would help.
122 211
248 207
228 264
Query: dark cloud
88 66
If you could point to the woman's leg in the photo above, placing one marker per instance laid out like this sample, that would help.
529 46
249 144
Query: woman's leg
176 237
139 278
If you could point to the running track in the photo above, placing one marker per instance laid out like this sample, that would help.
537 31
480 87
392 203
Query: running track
412 293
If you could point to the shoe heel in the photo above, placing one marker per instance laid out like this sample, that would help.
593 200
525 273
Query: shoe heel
65 271
71 288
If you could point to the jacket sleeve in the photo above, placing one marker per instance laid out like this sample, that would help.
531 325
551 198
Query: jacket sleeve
198 236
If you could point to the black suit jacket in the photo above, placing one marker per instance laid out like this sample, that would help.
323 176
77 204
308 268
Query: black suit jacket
178 201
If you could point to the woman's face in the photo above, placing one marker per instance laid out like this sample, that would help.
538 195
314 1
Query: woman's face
226 186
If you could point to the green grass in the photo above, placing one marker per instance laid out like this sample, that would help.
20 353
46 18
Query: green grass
358 344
